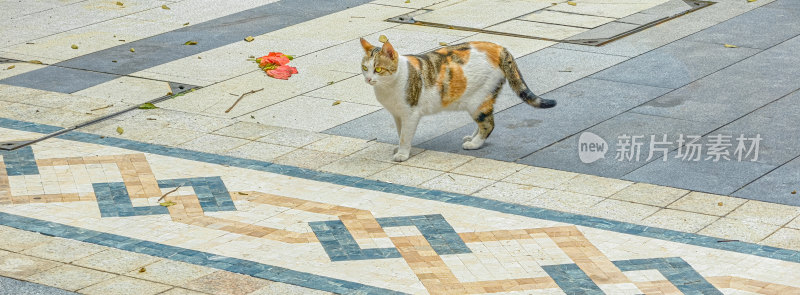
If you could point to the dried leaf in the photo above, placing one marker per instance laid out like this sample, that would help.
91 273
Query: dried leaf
442 44
408 1
337 102
730 46
11 67
243 193
331 83
572 3
751 0
190 43
249 38
794 192
186 24
290 57
120 3
35 62
719 204
164 7
147 106
74 46
120 130
113 61
383 39
141 270
167 204
133 50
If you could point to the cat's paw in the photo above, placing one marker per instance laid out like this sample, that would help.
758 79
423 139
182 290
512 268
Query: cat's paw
467 138
400 157
470 145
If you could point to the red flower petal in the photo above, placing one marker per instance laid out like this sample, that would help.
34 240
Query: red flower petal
282 72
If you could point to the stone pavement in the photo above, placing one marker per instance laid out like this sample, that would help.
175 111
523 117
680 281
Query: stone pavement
291 192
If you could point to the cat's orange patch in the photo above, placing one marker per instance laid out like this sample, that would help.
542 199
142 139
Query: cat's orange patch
492 51
456 85
414 62
487 106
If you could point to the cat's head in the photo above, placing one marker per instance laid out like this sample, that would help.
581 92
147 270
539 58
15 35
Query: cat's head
379 63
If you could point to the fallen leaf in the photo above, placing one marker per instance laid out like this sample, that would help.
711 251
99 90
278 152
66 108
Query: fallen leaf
147 106
164 7
120 130
113 61
120 3
167 204
408 1
249 38
190 43
730 46
35 62
133 50
74 46
252 117
290 57
243 193
142 270
151 119
169 93
186 24
794 192
337 102
331 83
442 43
383 39
719 204
282 72
11 67
572 3
751 0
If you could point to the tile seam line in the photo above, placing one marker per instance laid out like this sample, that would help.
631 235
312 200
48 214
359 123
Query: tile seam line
662 95
419 193
54 226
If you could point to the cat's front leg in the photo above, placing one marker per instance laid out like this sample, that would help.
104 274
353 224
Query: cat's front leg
409 126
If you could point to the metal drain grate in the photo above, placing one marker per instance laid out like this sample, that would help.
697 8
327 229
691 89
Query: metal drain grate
559 23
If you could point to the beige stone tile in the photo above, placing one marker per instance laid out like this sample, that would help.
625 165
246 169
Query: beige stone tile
561 18
292 137
247 130
63 250
19 266
308 158
15 240
510 192
339 144
595 185
355 166
534 29
287 289
606 8
621 210
707 203
350 90
437 160
116 261
457 183
260 151
689 222
405 175
649 194
179 291
763 212
795 223
744 231
382 152
128 89
171 272
125 286
310 113
70 277
786 238
488 168
227 283
146 131
565 201
541 177
492 12
212 143
518 47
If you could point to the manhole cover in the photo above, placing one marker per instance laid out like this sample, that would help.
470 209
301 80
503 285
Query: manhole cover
588 22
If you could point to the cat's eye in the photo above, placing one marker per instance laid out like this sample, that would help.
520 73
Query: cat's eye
364 67
378 69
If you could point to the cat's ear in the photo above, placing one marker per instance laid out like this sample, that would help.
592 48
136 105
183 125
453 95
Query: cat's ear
367 47
389 51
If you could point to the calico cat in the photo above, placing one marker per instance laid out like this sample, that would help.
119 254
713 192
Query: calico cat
467 77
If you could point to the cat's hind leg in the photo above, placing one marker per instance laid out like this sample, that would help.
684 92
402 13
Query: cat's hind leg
470 137
484 117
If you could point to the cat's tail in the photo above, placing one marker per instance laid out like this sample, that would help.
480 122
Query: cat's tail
514 77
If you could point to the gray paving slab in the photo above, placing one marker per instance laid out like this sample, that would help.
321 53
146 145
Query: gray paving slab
722 177
564 154
522 130
169 46
736 90
675 64
785 4
605 31
762 28
776 186
17 287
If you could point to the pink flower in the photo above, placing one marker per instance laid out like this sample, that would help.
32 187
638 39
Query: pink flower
282 72
276 58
